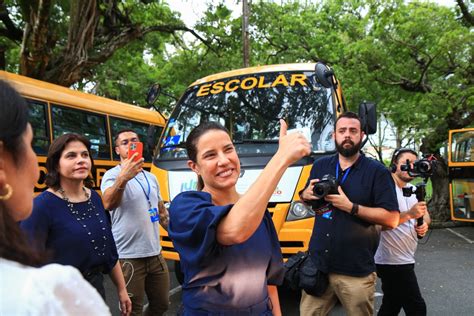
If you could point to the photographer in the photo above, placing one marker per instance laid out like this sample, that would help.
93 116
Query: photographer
395 257
345 235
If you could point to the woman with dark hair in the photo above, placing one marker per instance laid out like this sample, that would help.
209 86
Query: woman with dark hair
25 290
228 246
69 219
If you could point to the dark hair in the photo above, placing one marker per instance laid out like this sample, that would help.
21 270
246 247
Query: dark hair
398 152
193 138
13 124
55 151
125 130
350 115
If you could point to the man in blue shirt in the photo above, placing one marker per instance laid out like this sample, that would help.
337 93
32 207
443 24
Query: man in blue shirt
347 225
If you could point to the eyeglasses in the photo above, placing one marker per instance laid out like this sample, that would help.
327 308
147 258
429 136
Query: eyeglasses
125 142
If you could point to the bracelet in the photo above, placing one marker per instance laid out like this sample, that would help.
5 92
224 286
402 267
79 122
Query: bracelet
355 209
120 189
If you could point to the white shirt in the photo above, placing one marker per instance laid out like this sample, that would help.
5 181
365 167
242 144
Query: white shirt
398 246
51 290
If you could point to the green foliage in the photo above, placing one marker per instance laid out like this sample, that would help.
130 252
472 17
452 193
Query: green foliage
414 59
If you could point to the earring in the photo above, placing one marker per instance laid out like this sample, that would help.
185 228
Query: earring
7 195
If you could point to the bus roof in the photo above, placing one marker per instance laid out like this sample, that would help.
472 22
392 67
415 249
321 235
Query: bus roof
257 69
56 94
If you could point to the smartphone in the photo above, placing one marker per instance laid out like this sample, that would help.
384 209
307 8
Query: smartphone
135 147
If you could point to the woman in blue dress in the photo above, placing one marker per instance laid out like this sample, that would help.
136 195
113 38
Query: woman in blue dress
69 221
228 246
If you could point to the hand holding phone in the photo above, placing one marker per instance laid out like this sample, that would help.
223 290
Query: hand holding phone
135 147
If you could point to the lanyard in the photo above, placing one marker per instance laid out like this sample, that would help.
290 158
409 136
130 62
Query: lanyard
141 186
344 177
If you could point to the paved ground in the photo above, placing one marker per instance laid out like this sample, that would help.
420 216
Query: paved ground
445 270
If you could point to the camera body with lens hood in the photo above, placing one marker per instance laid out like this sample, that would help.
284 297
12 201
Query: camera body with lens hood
327 185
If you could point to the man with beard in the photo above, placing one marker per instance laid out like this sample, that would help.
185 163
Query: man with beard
345 233
395 257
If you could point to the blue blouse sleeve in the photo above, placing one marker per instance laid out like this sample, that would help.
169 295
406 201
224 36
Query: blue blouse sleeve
193 226
37 225
275 269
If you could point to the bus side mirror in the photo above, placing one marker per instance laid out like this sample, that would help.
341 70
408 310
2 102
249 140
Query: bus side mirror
368 117
325 75
153 94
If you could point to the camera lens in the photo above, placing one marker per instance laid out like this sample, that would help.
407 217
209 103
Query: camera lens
424 166
320 190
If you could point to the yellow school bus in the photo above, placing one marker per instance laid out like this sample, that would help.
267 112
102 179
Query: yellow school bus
461 174
56 110
249 102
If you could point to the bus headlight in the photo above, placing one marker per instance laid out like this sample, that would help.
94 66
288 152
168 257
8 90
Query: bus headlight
299 210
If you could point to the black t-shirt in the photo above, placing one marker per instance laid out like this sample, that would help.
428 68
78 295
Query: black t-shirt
342 243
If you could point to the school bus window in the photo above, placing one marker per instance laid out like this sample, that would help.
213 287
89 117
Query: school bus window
463 145
38 120
141 129
90 125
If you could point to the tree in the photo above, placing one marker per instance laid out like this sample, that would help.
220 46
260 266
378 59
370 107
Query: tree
64 41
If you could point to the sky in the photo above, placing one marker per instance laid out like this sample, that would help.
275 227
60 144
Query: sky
191 10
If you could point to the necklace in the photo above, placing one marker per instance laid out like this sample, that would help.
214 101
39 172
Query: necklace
99 243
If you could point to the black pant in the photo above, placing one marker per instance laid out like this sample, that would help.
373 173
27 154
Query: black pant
400 290
97 281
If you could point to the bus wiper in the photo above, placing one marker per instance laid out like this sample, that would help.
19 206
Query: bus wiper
256 141
179 145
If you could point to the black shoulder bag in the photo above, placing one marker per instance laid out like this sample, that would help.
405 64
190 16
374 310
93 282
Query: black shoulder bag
301 273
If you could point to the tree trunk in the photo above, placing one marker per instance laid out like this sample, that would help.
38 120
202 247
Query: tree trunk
438 205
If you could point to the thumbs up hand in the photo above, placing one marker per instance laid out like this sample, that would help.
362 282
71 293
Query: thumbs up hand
292 147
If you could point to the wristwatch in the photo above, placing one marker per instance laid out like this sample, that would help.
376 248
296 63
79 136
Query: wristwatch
355 209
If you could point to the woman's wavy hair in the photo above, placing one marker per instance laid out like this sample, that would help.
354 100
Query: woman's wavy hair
193 138
53 179
13 124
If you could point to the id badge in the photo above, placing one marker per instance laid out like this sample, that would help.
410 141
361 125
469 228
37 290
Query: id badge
327 215
154 215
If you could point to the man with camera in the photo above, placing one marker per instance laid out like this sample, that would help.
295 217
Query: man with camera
131 194
395 257
345 234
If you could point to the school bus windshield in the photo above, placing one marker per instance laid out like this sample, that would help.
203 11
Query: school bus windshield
250 107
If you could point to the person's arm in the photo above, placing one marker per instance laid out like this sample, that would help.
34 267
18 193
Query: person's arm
112 196
164 215
117 277
417 210
245 216
273 294
375 215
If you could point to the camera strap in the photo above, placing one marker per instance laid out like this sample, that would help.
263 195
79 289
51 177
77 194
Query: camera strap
344 176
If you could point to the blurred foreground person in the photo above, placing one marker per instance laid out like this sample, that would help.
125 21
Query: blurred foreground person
228 246
69 219
25 290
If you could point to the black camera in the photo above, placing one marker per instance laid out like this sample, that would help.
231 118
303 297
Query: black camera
421 168
327 185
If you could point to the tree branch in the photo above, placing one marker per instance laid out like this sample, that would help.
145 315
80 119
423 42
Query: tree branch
466 15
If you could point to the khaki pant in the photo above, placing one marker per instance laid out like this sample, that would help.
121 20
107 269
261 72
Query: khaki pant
147 275
356 294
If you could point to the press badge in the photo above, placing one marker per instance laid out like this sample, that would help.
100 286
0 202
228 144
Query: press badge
154 215
327 215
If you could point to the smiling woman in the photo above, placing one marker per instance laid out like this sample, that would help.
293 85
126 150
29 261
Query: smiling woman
69 219
228 246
